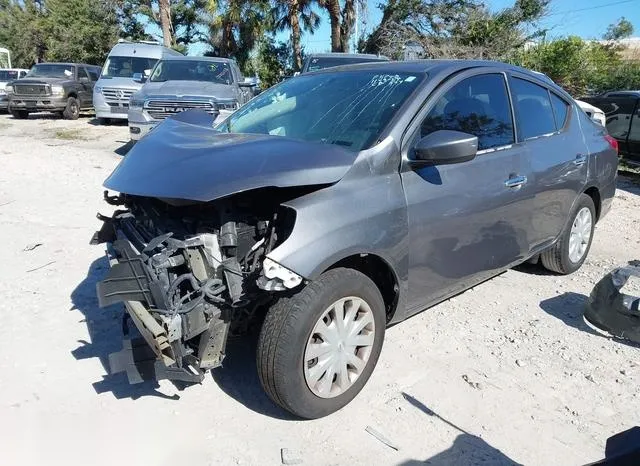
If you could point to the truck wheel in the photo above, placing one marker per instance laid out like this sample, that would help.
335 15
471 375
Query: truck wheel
20 114
318 348
72 110
572 248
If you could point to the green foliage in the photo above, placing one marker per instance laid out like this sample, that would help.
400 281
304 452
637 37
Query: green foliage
58 30
80 30
582 67
273 61
620 30
235 27
455 28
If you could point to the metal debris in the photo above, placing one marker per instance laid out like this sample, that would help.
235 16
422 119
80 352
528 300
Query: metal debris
382 438
32 246
471 383
41 267
289 456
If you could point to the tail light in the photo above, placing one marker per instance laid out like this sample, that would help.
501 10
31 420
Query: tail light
612 142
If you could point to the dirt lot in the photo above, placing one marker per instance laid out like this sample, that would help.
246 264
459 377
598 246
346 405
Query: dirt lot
504 373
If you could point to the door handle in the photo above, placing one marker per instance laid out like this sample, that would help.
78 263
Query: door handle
515 182
580 160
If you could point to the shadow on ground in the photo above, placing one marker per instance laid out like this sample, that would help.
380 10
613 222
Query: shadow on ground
629 182
466 448
105 337
569 308
238 378
124 148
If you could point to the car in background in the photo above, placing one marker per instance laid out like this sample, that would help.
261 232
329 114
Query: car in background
320 61
340 202
62 88
117 84
592 112
622 113
7 75
177 83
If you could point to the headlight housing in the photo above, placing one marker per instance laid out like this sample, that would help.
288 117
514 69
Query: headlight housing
56 89
9 89
231 105
3 92
98 89
135 102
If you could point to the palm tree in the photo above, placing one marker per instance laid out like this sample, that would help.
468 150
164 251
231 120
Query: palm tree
235 26
288 14
342 21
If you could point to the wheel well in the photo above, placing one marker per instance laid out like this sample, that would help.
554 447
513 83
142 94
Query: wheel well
594 194
73 94
380 272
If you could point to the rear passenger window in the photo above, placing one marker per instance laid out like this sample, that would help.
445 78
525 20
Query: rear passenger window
560 110
634 131
533 109
478 105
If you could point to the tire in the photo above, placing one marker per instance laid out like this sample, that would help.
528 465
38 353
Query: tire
558 258
20 114
72 110
288 330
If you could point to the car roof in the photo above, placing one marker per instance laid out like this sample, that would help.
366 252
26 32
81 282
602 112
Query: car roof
346 55
13 69
142 49
616 93
68 64
432 66
194 58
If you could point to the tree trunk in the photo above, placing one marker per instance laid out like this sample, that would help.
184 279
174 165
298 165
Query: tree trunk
333 8
348 21
165 23
295 34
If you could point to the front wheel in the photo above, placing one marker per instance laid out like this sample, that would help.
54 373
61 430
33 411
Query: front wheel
318 348
72 110
20 114
572 248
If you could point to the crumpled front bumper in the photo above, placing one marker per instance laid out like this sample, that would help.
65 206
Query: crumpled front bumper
160 351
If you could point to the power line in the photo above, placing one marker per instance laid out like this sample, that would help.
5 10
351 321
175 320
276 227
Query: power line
592 7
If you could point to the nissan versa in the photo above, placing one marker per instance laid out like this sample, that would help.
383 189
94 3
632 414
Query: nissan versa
338 203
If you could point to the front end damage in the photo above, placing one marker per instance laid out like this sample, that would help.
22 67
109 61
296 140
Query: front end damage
189 273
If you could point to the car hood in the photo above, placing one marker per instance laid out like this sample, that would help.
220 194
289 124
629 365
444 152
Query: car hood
185 160
188 88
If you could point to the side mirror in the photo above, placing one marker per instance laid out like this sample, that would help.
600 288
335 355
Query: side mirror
247 82
445 147
138 77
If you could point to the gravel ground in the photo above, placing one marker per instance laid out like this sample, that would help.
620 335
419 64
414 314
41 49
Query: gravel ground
504 373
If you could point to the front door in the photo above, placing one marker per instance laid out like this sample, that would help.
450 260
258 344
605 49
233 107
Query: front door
466 220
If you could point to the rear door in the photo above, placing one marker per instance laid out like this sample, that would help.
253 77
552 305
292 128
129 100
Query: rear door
549 128
466 220
633 141
618 112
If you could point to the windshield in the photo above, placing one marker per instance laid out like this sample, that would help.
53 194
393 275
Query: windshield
321 63
51 71
192 70
126 67
349 109
6 75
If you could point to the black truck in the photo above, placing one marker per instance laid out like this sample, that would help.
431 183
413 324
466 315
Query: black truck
62 88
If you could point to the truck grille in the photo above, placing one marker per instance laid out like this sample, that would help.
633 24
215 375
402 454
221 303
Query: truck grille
161 109
117 95
32 89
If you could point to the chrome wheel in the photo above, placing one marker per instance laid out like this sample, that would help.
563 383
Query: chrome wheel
580 235
339 347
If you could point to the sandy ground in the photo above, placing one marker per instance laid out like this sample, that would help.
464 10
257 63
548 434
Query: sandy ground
504 373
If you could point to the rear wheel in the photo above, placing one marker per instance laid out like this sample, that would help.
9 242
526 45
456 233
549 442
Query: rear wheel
318 348
72 110
571 250
20 114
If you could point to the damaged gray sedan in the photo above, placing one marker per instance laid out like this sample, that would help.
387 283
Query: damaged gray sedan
340 202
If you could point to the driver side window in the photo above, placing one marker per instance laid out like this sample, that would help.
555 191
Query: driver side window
478 105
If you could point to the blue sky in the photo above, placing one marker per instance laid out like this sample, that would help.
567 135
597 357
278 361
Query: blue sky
586 18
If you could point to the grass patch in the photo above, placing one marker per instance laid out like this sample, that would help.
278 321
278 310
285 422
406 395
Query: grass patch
70 134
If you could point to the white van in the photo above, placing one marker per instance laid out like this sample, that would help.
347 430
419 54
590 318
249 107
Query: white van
116 84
